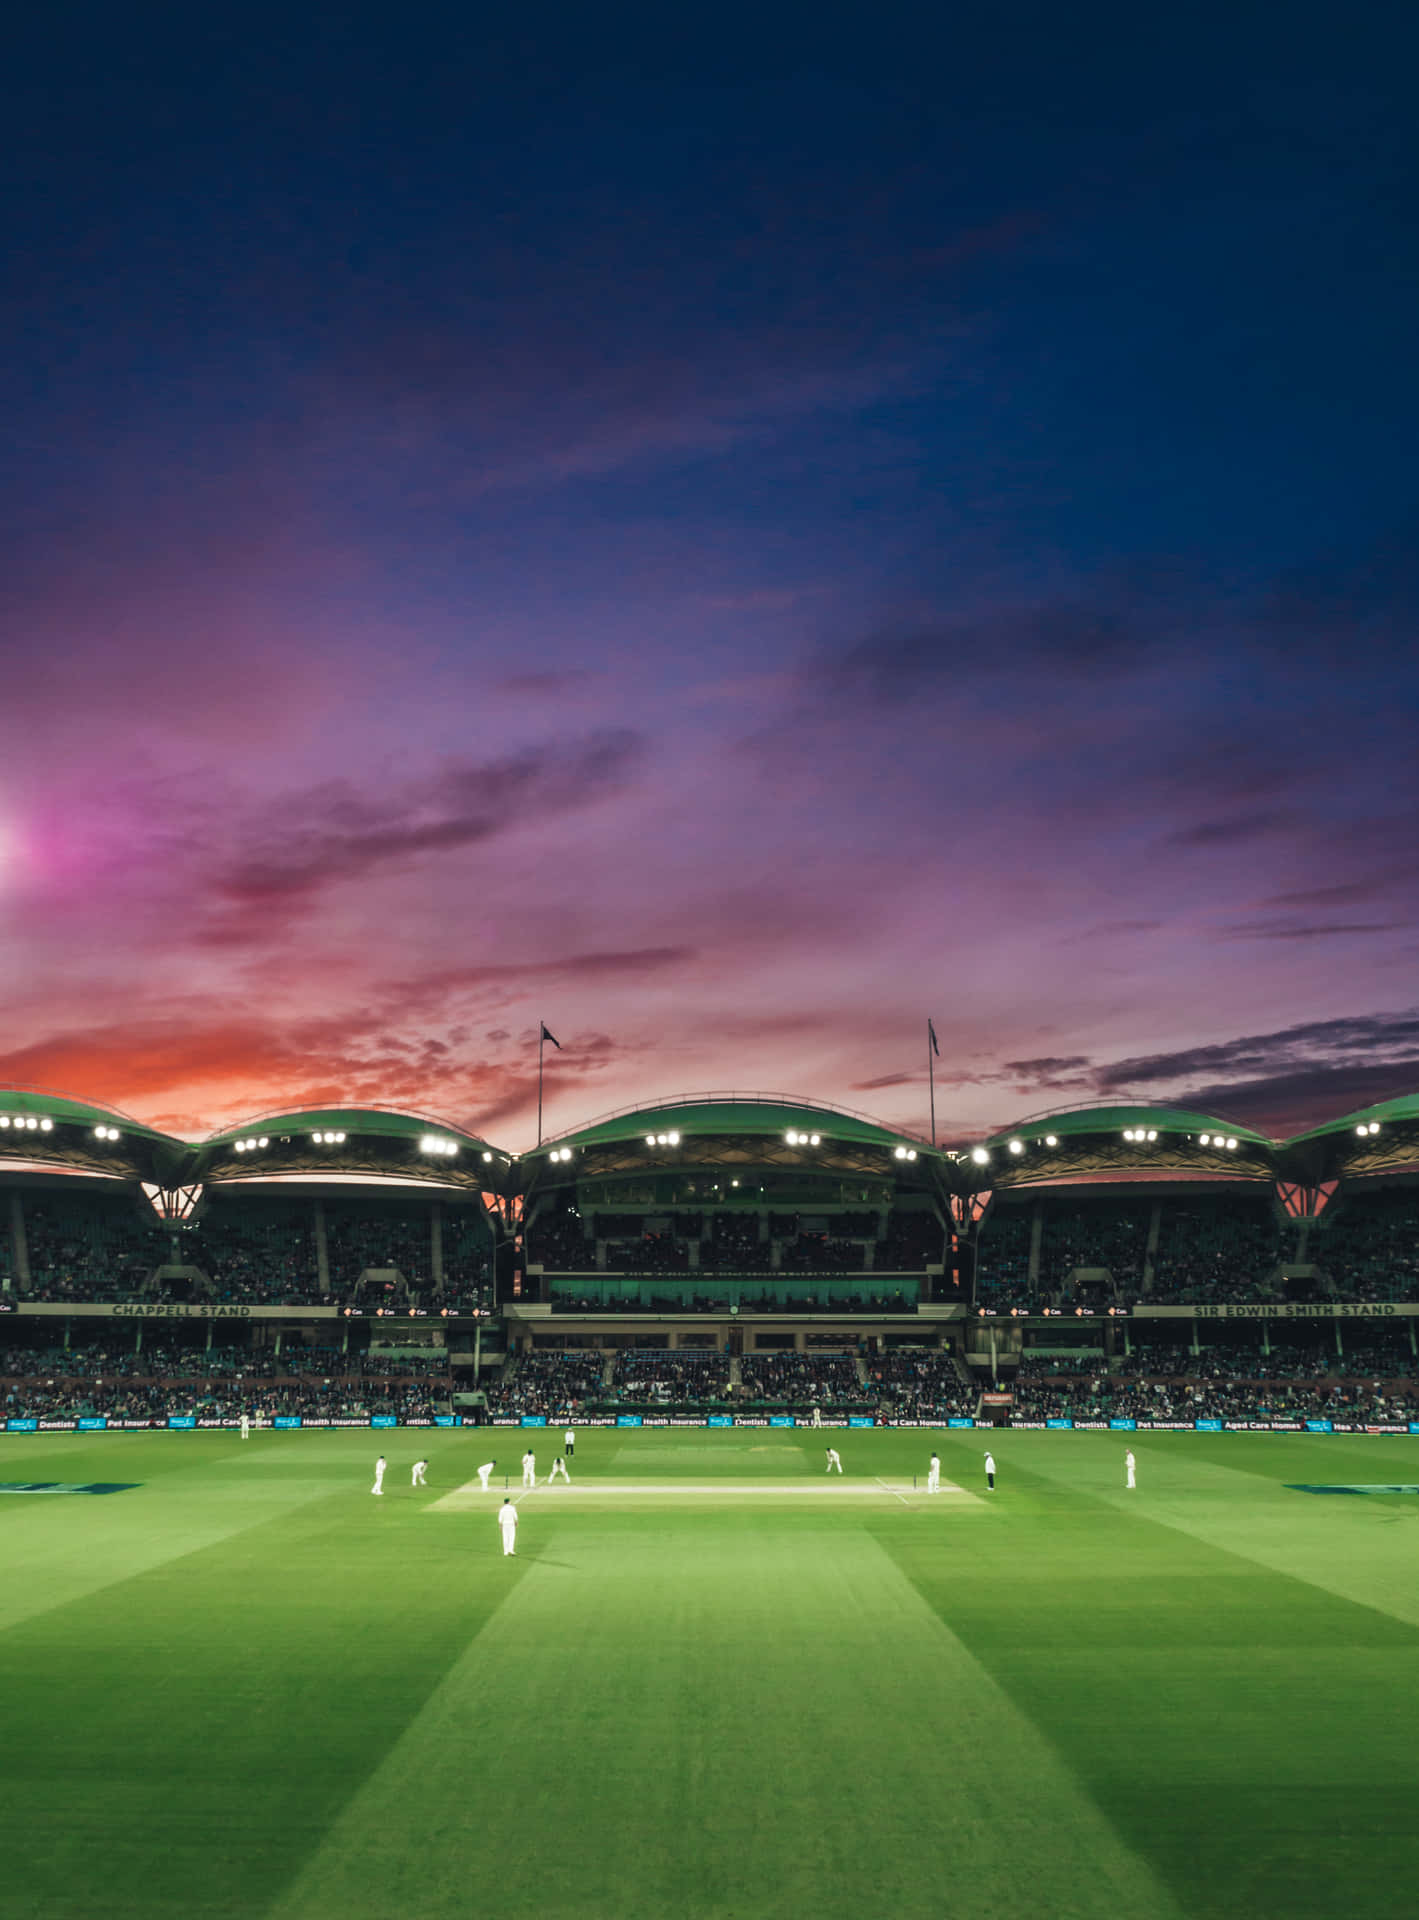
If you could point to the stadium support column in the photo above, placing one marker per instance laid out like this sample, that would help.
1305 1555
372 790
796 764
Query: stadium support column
19 1245
1037 1233
1150 1252
322 1250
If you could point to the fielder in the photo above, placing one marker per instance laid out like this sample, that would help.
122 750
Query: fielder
1129 1464
507 1520
529 1468
990 1471
569 1443
246 1426
417 1478
835 1465
485 1474
378 1486
933 1474
559 1472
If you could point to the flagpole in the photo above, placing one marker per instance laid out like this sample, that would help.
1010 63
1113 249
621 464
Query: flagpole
931 1079
541 1042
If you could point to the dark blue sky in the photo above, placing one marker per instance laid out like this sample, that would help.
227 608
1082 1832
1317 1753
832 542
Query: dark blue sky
727 533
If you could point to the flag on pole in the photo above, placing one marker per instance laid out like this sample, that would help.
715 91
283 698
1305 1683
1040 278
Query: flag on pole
547 1034
931 1031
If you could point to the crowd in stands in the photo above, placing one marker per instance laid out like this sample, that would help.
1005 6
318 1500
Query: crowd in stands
91 1249
1370 1248
921 1385
1003 1257
83 1247
123 1380
690 1377
556 1384
1226 1248
1209 1251
1220 1399
803 1379
785 1297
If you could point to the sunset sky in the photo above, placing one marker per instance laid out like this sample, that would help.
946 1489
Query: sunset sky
728 534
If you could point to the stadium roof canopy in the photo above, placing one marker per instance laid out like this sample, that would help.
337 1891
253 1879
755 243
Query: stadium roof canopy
65 1111
1404 1110
381 1122
1122 1116
715 1115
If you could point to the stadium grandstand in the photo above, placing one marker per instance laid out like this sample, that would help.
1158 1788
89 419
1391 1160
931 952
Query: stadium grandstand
715 1256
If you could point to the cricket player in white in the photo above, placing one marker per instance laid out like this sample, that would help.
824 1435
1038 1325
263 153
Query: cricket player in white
417 1479
559 1471
569 1443
933 1474
245 1426
835 1465
378 1486
507 1520
1129 1464
990 1470
529 1468
485 1474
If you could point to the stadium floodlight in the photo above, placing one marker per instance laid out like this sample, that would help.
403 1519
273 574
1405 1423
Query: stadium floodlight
650 1139
1017 1146
1374 1126
911 1153
1051 1140
815 1139
899 1153
46 1126
487 1159
1204 1139
263 1141
673 1139
4 1119
980 1156
792 1137
1128 1133
1231 1145
1152 1135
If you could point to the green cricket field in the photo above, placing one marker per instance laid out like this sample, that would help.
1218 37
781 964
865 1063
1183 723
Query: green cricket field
715 1682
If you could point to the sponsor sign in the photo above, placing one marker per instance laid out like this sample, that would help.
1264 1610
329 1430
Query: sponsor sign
1059 1423
628 1420
1286 1310
1124 1426
1320 1426
1293 1487
21 1426
90 1424
281 1421
384 1420
1207 1426
780 1419
181 1420
954 1421
1028 1424
861 1420
56 1426
446 1420
720 1420
533 1420
65 1486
